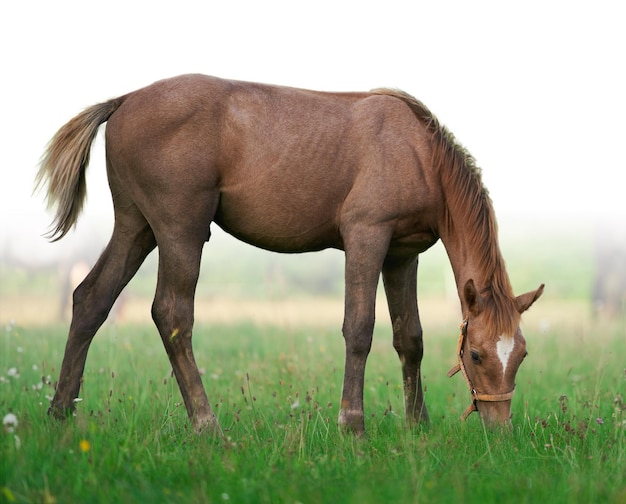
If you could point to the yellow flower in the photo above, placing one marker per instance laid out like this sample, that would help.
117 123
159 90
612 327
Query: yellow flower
84 445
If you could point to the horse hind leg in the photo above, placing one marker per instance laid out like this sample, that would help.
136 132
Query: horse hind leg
400 281
173 314
131 242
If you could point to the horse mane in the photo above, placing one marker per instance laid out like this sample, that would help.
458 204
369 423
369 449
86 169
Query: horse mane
467 196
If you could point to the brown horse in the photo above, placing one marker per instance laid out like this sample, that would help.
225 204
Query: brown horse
373 174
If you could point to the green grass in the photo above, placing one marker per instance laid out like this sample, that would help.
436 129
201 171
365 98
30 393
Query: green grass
276 394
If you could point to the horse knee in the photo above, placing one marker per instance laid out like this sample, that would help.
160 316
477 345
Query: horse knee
409 346
358 337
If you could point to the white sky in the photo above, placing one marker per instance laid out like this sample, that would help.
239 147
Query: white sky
535 89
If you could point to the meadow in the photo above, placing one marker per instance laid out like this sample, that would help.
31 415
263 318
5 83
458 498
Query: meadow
275 380
275 391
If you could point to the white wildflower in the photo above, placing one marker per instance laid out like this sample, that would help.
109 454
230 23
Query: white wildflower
9 422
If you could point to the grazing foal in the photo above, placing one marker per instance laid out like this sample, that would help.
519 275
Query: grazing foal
290 170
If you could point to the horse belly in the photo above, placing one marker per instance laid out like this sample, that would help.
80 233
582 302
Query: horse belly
278 223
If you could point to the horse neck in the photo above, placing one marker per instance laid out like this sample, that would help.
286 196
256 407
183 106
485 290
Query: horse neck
470 238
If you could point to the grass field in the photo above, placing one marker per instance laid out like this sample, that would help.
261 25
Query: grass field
275 390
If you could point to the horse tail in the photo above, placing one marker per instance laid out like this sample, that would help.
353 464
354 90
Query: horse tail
64 163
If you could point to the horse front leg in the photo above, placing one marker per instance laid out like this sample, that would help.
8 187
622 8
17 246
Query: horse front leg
400 281
363 264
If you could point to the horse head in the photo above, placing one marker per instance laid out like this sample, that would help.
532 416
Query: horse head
489 357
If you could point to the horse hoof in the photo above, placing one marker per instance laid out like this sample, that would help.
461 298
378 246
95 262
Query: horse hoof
210 425
352 422
59 412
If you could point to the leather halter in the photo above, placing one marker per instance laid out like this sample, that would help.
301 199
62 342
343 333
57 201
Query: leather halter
476 396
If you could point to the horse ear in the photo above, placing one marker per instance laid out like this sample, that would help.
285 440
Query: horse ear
473 299
525 301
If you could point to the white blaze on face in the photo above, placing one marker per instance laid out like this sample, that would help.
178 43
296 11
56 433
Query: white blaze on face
504 347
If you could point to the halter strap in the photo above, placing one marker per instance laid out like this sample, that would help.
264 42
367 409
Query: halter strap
476 396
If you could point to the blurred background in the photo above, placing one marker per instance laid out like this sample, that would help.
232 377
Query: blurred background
534 90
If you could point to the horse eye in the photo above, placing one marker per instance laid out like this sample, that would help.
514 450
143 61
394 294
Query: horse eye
475 357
